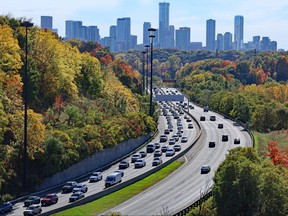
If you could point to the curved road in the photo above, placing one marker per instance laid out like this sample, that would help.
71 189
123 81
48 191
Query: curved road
186 185
129 173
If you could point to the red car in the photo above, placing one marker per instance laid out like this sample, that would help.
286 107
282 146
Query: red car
49 199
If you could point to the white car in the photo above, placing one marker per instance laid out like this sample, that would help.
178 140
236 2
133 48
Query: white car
170 152
96 176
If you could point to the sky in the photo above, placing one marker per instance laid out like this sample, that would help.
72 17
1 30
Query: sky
265 18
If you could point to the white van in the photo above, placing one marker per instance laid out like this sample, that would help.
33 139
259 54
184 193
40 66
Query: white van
113 179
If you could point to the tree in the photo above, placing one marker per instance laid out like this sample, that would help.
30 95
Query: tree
241 108
282 69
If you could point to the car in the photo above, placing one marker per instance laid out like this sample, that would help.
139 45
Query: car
220 126
176 137
190 126
170 127
163 138
140 163
143 154
212 118
157 145
6 207
170 152
237 141
49 199
150 148
205 169
179 133
224 138
135 157
202 118
157 153
156 161
172 141
188 120
32 200
206 109
164 148
211 144
76 196
124 164
191 106
33 209
80 187
96 176
119 171
68 187
167 131
184 139
177 147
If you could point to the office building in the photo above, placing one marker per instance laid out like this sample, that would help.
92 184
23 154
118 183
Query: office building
228 44
183 38
256 42
220 42
164 24
265 44
123 34
47 22
146 26
210 34
238 32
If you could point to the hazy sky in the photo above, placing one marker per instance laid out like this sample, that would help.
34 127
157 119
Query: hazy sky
261 17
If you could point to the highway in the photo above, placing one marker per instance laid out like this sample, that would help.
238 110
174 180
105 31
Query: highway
186 185
129 173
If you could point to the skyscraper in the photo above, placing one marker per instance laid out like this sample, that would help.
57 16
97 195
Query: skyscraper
220 42
69 29
228 41
210 34
46 22
146 26
238 32
163 23
123 34
183 38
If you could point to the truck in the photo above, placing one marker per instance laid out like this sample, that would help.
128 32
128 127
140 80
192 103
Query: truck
113 179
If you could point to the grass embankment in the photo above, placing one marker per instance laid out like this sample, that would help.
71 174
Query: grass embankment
261 139
107 202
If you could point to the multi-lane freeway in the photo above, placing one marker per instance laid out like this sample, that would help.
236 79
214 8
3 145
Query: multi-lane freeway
130 172
185 185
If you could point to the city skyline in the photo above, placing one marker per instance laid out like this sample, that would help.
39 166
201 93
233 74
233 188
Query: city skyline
263 18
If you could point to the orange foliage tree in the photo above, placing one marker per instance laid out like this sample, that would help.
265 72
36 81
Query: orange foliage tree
277 155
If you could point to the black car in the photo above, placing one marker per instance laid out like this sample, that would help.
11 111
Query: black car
202 118
68 187
212 144
6 207
220 126
236 141
32 200
224 138
212 118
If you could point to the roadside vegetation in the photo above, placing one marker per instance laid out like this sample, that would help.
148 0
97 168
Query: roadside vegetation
105 203
81 99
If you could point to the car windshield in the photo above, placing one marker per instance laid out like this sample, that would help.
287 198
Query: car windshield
49 196
110 178
79 186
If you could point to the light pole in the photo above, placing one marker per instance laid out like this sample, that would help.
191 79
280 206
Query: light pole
152 31
143 71
147 63
25 24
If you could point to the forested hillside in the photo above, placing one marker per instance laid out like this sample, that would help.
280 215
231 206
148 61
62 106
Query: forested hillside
81 100
248 86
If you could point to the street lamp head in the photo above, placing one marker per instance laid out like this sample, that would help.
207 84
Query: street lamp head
26 24
152 32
